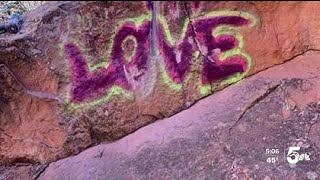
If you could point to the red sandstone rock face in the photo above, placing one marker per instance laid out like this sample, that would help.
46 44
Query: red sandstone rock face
100 70
223 136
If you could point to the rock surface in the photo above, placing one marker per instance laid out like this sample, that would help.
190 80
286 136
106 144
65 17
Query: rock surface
224 136
95 72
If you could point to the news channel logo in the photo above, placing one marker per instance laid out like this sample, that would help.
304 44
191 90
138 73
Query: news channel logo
293 155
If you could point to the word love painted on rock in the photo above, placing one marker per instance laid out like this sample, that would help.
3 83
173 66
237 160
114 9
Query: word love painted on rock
212 41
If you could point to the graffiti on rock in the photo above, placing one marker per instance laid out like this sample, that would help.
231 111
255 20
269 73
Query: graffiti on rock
213 41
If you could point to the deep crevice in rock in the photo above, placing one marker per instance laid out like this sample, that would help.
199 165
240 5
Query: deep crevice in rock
40 171
183 85
285 61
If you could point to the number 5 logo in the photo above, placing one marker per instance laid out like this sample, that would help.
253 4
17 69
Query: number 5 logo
293 156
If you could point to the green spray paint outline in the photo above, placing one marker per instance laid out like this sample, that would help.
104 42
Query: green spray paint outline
203 89
104 62
237 51
128 58
172 41
206 89
114 90
137 22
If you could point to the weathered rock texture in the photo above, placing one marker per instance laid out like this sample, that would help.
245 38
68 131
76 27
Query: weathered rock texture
97 71
224 136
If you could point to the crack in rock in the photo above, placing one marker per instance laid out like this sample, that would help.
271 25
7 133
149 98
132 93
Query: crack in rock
193 29
256 101
40 171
